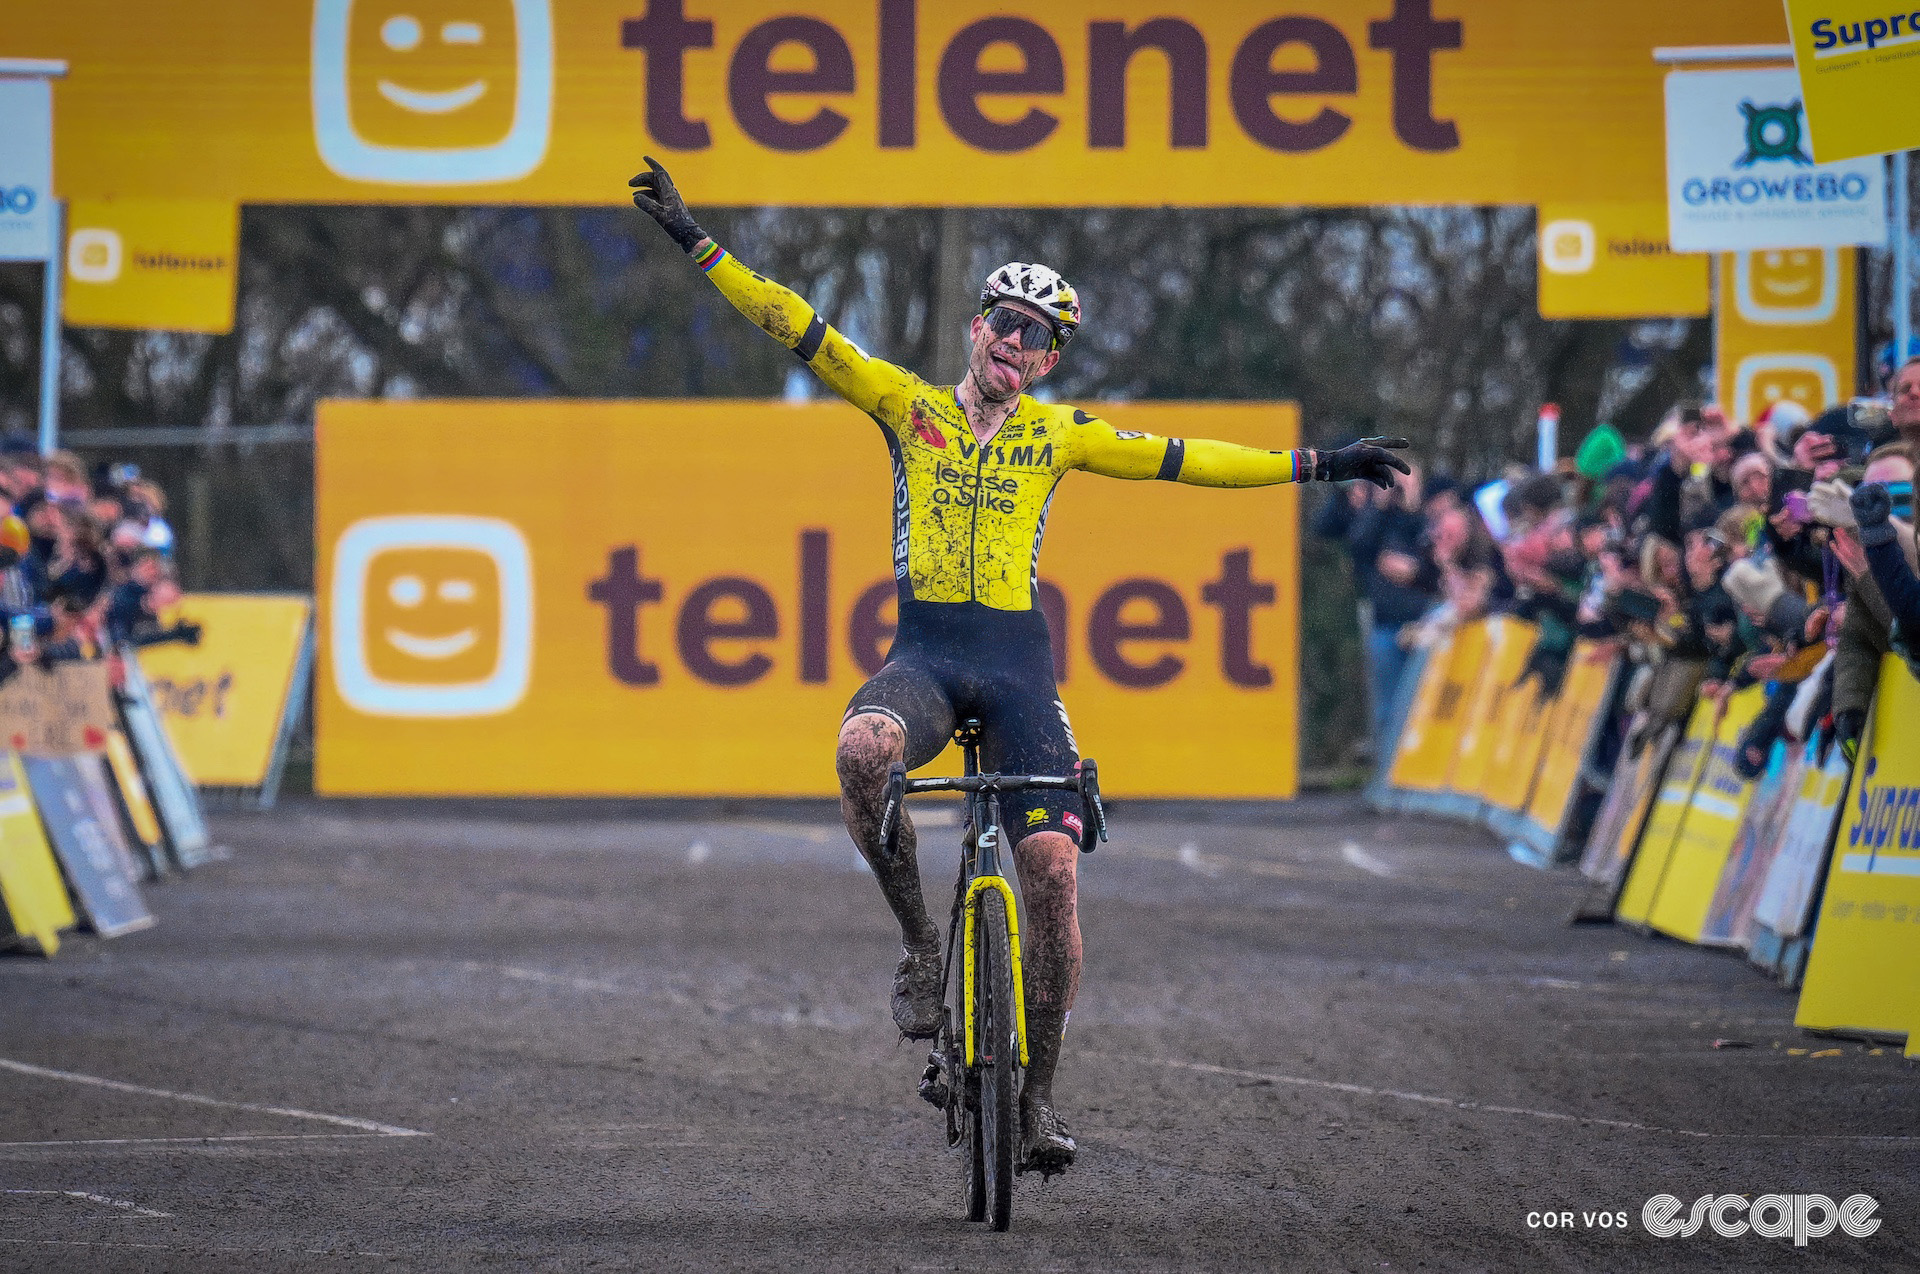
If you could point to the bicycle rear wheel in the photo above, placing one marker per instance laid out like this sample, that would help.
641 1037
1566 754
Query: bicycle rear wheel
997 1057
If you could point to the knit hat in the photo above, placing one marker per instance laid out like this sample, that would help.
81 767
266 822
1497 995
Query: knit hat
1754 586
1599 452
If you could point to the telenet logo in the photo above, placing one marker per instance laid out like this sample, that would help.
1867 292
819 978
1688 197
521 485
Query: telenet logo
95 254
1761 380
1790 288
432 92
432 616
1568 247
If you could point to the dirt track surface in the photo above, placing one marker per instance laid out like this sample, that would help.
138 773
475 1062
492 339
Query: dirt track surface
1310 1039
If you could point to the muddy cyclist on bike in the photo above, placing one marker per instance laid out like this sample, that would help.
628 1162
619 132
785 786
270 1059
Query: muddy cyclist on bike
974 469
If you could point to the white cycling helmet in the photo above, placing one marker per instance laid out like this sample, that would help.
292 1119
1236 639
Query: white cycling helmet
1037 286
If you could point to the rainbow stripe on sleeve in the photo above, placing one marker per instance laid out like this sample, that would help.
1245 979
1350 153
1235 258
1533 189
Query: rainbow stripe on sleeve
713 254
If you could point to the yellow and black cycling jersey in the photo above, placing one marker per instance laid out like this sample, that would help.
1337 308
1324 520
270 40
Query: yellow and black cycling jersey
968 517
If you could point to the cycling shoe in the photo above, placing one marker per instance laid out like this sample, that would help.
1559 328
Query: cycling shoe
1045 1145
916 993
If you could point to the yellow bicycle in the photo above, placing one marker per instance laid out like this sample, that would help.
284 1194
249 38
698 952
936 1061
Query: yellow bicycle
975 1070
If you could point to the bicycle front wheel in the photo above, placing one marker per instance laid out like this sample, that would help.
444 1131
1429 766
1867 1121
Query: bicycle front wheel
997 1057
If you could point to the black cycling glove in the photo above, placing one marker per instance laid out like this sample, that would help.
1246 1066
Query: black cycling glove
655 195
1848 726
1371 459
1872 507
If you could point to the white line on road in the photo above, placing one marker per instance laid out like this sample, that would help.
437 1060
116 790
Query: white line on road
119 1086
1456 1103
195 1141
125 1205
1358 857
547 979
164 1247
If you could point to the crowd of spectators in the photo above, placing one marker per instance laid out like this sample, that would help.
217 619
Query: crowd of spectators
1721 554
86 560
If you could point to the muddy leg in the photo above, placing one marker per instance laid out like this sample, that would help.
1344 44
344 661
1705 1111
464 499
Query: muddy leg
1050 951
869 743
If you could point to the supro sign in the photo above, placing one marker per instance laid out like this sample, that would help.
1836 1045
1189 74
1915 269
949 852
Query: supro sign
26 170
1741 175
1859 64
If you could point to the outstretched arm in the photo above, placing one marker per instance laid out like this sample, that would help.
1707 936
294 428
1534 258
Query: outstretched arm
780 312
1203 462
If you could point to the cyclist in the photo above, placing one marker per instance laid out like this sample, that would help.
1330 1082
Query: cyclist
974 469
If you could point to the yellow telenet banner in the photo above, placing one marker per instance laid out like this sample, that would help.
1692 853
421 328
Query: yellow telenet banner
223 700
1785 329
680 597
1612 260
170 264
1859 63
875 102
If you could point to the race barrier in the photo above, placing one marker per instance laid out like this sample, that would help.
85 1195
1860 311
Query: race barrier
232 702
1479 739
1863 972
94 803
1811 869
1674 876
1783 914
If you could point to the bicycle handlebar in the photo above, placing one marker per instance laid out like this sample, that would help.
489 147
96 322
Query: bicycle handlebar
1084 781
993 783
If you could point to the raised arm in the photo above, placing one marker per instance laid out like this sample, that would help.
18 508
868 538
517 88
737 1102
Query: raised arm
1203 462
778 311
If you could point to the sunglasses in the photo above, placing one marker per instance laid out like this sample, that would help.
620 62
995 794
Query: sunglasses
1901 494
1034 334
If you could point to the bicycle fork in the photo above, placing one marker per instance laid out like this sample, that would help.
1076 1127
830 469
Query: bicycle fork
988 876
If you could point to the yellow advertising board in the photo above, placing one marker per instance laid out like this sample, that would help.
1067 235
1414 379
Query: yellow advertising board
1706 831
31 891
1784 329
1864 970
870 102
168 264
1613 260
133 790
223 700
679 598
1509 642
1569 726
1669 812
1856 58
1423 757
1520 736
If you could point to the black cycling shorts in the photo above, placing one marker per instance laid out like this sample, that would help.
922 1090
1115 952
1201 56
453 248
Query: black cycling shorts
955 660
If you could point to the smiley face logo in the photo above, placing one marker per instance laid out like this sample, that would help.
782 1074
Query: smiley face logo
1761 380
95 254
432 616
1568 247
1797 287
432 91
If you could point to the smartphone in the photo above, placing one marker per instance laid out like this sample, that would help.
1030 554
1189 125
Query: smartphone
1874 415
1795 503
1631 603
